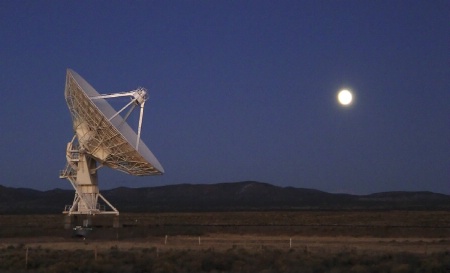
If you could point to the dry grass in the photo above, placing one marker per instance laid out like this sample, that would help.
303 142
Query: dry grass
312 231
223 242
313 244
341 241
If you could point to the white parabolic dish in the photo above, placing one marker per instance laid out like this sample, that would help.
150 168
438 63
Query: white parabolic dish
108 140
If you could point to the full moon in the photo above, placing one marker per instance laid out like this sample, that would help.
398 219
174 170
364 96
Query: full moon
345 97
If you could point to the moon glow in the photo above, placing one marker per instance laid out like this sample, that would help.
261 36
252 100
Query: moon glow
345 97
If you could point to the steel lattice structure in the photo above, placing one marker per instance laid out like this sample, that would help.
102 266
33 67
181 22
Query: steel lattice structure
102 138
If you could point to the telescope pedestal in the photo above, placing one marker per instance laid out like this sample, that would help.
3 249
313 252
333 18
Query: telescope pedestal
81 171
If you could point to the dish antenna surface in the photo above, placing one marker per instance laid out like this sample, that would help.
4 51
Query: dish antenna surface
102 138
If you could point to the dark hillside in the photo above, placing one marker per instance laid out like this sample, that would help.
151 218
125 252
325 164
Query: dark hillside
22 201
235 196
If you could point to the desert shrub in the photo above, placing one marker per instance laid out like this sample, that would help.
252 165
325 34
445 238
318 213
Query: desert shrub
164 266
358 269
210 260
401 268
149 250
216 261
408 259
438 262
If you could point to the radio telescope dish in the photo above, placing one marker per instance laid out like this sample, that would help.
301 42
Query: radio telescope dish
102 138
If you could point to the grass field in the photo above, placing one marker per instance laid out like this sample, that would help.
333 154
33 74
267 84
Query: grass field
285 241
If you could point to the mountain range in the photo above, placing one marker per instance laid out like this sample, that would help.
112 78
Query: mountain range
235 196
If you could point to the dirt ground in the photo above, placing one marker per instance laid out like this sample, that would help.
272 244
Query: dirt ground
419 232
251 242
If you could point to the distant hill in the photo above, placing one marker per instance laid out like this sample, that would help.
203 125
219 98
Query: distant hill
22 201
236 196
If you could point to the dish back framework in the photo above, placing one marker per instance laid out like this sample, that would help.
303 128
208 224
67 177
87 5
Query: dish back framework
102 138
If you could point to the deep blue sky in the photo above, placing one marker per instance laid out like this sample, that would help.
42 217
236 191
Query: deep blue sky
239 90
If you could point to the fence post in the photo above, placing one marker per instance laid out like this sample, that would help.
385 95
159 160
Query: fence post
26 258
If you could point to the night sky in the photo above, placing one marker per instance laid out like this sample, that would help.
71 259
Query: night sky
239 90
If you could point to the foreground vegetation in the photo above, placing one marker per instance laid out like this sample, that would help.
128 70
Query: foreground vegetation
18 259
273 241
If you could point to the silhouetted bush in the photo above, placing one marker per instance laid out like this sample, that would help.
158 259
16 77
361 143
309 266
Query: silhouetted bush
235 259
